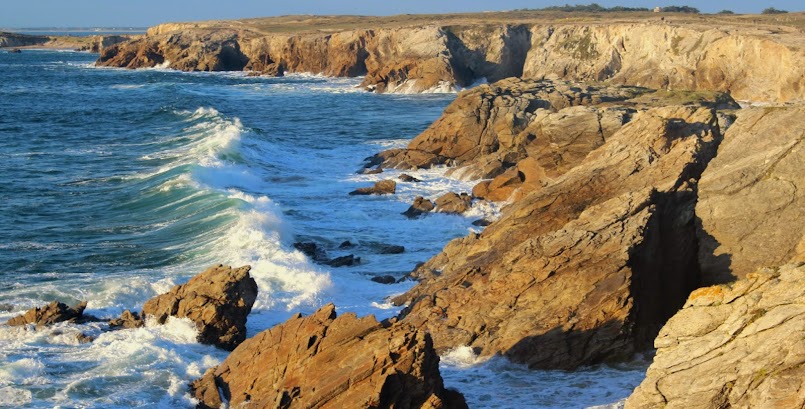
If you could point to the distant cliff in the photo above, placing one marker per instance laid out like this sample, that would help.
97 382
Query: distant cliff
21 40
652 53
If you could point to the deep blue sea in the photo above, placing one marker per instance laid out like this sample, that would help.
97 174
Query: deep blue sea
116 185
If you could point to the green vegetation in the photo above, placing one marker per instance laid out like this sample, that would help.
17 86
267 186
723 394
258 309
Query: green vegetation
589 8
581 48
680 9
772 10
726 12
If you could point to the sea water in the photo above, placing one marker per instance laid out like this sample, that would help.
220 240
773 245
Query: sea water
118 184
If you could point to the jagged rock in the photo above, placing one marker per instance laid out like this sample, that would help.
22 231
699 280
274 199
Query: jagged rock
384 279
453 203
83 338
218 300
326 361
346 245
599 259
408 178
312 250
419 207
752 196
50 314
383 187
736 346
406 159
344 261
127 319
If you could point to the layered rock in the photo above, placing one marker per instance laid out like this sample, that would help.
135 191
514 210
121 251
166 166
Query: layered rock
397 57
588 268
326 361
218 300
50 314
735 346
752 196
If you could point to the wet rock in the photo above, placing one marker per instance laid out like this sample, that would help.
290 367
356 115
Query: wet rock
50 314
391 249
481 223
127 320
453 203
15 51
419 207
83 338
752 196
735 346
346 245
383 187
344 261
408 178
330 362
369 171
406 159
384 279
218 300
312 250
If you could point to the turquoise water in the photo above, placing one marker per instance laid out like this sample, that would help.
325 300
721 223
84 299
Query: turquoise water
117 185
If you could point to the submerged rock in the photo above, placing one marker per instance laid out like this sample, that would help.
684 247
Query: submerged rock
383 187
127 320
218 300
50 314
384 279
736 346
344 261
408 178
326 361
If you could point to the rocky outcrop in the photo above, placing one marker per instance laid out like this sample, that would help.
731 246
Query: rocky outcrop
50 314
396 57
752 196
588 268
383 187
419 207
127 320
736 346
21 40
218 300
326 361
453 203
98 43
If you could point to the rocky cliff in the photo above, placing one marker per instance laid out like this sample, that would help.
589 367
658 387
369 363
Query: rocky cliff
414 58
21 40
736 346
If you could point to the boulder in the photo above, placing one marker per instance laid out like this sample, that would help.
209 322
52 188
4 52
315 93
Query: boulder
386 279
752 196
218 300
127 319
344 261
50 314
326 361
312 250
408 178
453 203
405 159
419 207
736 346
383 187
391 249
586 269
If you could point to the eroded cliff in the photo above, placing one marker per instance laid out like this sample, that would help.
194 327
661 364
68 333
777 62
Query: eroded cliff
418 56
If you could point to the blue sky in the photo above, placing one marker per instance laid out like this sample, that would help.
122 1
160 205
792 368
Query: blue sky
142 13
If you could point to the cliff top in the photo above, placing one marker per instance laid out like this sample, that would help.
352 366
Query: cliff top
779 25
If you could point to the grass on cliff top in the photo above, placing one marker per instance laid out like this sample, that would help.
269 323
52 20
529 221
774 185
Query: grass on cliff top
319 24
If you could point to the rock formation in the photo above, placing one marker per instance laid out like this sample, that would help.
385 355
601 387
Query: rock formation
50 314
127 319
736 346
326 361
419 207
218 300
453 203
398 57
383 187
752 196
588 268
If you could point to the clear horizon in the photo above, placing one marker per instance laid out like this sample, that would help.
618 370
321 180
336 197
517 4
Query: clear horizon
140 14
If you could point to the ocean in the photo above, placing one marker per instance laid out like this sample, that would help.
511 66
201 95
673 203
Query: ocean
119 184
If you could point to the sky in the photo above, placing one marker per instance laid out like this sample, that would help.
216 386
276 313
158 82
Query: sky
145 13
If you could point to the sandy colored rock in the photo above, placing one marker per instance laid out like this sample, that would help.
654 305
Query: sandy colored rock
419 207
326 361
599 258
49 314
127 319
218 300
383 187
752 196
737 346
451 202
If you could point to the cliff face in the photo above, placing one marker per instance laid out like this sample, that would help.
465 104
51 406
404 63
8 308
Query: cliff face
21 40
432 57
